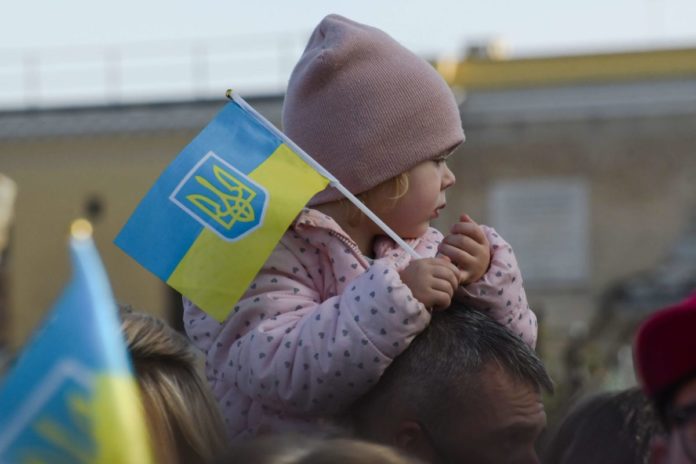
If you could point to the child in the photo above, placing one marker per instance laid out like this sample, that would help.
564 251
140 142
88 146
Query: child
337 300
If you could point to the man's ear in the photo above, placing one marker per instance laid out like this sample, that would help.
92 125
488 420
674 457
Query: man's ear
411 439
659 450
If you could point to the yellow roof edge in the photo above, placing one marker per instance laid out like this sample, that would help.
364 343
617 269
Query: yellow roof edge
535 71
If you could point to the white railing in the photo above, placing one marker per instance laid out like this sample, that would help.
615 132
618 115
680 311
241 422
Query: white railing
146 72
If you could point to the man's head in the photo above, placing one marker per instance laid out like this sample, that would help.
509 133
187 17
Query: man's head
606 428
665 359
466 390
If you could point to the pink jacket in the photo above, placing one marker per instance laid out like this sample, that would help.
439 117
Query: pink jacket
321 323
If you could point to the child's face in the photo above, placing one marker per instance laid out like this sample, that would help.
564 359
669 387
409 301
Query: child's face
410 215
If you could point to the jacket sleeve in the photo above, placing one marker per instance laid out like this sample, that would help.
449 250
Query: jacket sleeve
500 293
426 246
309 356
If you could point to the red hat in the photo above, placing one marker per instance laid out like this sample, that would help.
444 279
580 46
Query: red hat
665 347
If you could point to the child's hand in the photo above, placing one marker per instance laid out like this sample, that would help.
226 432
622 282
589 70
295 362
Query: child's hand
468 248
432 281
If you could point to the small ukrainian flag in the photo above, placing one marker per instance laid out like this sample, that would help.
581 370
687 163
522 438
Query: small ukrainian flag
72 396
218 210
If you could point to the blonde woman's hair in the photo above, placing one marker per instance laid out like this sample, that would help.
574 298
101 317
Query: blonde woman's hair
183 417
295 449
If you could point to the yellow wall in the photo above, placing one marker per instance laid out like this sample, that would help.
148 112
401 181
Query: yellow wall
473 73
55 176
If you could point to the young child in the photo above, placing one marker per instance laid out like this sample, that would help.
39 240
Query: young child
337 301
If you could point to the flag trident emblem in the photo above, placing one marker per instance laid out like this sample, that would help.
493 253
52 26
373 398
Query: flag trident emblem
234 206
221 198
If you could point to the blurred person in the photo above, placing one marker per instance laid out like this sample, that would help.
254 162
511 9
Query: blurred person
183 417
337 300
665 361
608 428
466 390
296 449
8 194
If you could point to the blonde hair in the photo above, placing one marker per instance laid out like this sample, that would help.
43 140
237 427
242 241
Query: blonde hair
396 187
183 418
295 449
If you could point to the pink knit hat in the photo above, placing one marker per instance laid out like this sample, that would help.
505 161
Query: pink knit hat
366 108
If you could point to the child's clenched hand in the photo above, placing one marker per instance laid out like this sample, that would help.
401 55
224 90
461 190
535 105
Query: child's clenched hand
468 248
432 281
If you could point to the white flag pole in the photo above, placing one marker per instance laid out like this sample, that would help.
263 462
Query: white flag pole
319 168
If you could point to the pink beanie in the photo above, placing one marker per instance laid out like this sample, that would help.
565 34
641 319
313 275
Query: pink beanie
366 108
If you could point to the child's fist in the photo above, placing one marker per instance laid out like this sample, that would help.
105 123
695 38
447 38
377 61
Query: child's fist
432 281
468 248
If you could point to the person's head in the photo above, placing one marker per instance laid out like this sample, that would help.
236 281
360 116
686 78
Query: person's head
611 428
378 117
296 449
182 415
665 360
466 390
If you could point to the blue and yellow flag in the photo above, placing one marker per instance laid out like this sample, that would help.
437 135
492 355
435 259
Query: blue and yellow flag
217 211
71 396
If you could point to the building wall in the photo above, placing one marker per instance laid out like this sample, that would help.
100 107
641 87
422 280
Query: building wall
639 166
641 178
56 178
61 160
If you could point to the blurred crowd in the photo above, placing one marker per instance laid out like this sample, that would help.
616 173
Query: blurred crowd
465 391
354 344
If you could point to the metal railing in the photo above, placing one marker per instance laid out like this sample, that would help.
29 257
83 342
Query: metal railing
147 71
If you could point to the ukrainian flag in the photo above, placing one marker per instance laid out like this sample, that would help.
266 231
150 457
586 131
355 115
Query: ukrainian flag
217 211
71 396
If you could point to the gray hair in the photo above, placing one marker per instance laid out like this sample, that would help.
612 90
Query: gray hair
443 362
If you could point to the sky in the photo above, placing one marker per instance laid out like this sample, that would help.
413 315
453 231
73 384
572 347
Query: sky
424 25
68 31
